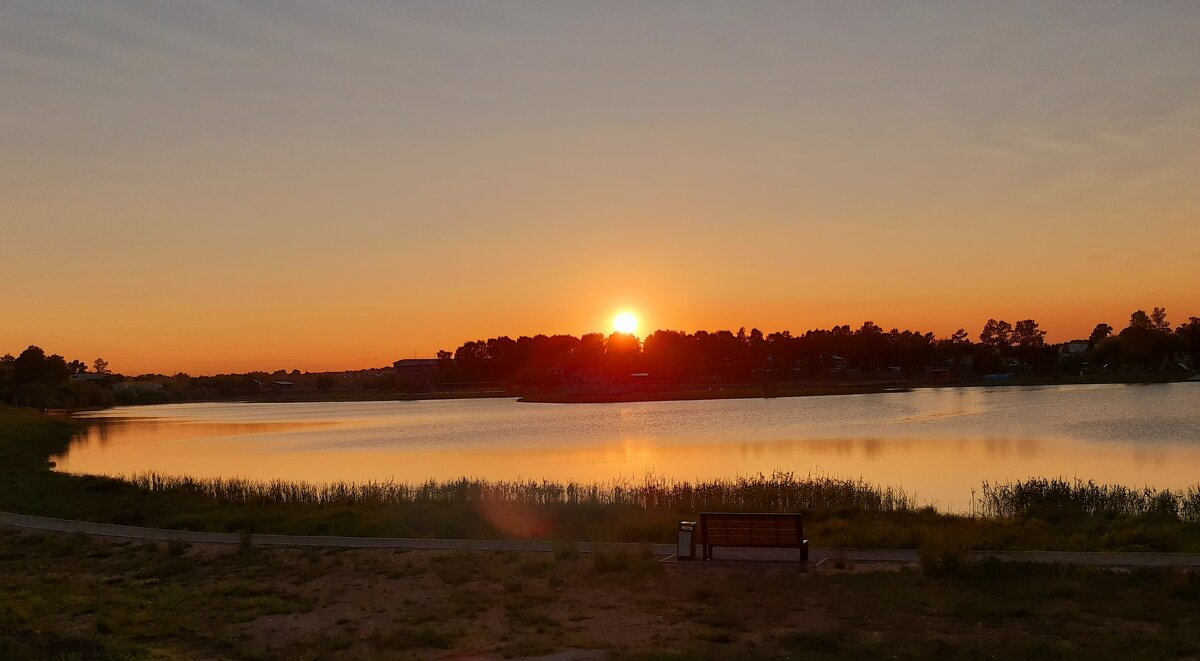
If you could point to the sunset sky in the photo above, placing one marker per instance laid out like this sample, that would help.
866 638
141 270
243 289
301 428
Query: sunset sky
220 186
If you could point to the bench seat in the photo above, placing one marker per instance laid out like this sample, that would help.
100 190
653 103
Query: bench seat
752 530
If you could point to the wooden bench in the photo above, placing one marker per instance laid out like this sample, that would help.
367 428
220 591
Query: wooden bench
736 529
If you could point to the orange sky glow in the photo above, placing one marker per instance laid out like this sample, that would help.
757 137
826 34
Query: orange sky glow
219 188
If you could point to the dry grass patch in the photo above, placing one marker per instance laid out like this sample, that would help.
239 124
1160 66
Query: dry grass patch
62 596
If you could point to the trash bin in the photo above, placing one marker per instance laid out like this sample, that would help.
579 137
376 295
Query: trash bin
686 550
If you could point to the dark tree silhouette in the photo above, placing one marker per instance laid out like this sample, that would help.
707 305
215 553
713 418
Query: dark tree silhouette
1146 344
1189 333
1100 333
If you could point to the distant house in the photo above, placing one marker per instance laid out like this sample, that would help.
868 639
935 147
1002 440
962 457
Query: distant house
416 370
138 386
89 376
937 372
577 376
1075 348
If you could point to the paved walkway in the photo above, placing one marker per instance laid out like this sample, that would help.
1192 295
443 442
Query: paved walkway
818 556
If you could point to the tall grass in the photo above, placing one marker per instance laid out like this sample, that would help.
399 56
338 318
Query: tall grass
1059 498
778 492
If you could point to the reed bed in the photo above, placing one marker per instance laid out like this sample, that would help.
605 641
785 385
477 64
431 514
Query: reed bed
777 492
1058 497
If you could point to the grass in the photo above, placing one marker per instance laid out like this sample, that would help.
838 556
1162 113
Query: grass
779 492
1035 514
65 596
1057 498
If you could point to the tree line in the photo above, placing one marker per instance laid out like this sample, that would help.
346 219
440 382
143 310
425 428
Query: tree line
1147 344
36 379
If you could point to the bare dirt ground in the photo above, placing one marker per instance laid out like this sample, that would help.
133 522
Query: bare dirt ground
64 596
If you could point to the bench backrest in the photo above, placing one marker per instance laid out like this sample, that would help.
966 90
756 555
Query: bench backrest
739 529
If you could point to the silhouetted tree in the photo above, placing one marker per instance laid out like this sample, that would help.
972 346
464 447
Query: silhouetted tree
1146 344
1139 320
1158 320
669 354
1026 335
1190 334
1100 333
996 334
36 379
34 366
995 340
622 355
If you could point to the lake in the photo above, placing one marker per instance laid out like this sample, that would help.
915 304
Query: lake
937 443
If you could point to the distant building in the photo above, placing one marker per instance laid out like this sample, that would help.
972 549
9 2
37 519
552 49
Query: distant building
418 371
89 376
138 386
1075 348
937 372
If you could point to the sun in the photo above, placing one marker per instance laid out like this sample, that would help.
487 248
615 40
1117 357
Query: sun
625 322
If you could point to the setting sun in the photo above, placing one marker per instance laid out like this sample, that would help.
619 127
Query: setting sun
625 322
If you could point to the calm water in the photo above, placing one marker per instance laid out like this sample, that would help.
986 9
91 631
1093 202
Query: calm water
939 443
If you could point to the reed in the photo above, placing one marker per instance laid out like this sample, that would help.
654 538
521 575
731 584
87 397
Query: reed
778 492
1059 498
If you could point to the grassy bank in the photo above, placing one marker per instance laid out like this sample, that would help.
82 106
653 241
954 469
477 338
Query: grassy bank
72 597
1031 515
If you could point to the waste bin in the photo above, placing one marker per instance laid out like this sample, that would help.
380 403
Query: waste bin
686 549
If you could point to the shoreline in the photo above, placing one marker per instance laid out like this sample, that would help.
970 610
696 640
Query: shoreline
838 513
681 393
752 391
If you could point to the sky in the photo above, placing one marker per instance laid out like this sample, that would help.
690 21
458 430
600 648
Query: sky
225 186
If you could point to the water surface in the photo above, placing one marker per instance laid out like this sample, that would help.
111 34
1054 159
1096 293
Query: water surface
939 443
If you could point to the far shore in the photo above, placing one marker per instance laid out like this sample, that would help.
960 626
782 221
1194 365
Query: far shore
662 393
759 391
